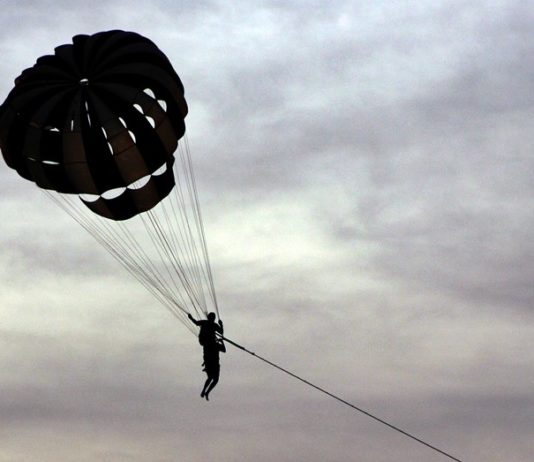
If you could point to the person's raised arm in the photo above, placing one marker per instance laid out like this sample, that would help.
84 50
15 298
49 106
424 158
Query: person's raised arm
220 328
193 319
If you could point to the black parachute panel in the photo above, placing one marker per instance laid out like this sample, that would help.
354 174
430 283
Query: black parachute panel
100 118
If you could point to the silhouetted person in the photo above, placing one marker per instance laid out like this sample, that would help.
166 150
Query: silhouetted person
212 346
212 367
208 329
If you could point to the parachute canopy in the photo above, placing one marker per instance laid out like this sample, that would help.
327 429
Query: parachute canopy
100 118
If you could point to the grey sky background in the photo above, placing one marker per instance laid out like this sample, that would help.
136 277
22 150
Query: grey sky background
365 174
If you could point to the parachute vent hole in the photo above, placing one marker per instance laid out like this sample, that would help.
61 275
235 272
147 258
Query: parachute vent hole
163 104
121 120
50 162
89 197
72 125
138 107
87 112
151 121
132 136
140 182
110 148
84 81
105 133
113 193
160 171
52 129
150 92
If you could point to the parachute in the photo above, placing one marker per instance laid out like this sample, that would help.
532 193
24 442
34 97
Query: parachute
99 126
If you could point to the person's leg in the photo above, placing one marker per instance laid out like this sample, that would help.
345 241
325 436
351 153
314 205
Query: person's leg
211 386
206 385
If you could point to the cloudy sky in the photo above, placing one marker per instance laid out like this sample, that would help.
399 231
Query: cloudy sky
365 174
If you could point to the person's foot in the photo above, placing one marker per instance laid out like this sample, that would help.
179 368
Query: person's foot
206 396
202 394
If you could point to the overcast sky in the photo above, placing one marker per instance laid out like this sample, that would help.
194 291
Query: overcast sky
365 174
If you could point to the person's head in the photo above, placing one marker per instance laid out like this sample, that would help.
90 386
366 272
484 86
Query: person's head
211 317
